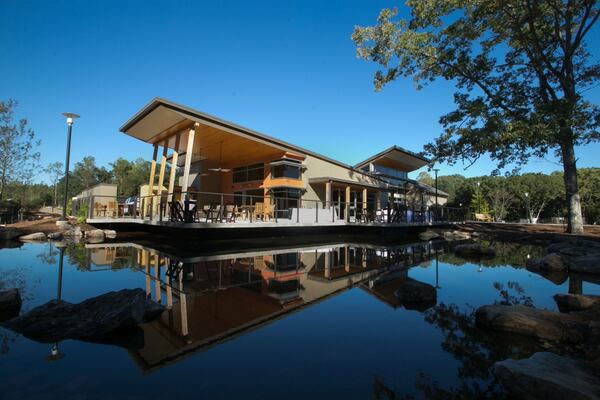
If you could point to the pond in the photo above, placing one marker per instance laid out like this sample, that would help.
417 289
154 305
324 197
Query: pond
294 322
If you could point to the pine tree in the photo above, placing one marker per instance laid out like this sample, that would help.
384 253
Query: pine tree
478 203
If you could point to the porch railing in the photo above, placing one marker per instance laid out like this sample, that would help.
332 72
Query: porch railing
192 206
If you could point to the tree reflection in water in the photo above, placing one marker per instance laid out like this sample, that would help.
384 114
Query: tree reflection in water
477 350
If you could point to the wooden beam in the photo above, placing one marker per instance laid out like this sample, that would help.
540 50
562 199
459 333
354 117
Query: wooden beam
157 290
151 182
328 194
188 160
173 172
161 174
364 199
347 205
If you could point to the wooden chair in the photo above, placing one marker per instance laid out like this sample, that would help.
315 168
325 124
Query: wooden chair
258 210
214 212
268 211
229 213
111 208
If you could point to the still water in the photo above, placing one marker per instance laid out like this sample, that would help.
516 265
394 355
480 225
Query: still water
313 321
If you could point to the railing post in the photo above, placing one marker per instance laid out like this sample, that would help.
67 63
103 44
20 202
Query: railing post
298 211
186 209
160 211
332 211
274 209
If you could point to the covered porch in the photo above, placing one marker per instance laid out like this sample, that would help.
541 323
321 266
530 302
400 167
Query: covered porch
206 169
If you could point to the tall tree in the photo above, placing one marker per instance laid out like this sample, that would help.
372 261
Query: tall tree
426 178
55 171
520 66
121 173
18 148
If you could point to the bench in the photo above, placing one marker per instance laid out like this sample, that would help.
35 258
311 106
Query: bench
483 217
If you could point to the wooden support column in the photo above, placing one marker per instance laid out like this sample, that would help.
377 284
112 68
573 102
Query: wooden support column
364 199
161 173
146 261
328 194
347 258
173 172
168 287
327 271
183 307
188 160
347 205
378 200
157 289
150 200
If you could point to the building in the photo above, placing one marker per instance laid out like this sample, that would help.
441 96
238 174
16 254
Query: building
219 163
99 200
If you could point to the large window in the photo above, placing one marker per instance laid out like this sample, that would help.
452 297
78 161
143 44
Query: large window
286 261
248 197
286 198
286 171
255 172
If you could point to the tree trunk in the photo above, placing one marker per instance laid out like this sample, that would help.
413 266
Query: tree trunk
55 193
575 222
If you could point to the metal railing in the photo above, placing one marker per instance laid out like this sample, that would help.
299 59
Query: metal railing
194 206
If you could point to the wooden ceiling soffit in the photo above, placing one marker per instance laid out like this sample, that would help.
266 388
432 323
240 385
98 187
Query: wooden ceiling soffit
233 131
170 132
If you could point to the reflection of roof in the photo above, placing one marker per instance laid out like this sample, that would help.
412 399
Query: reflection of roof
396 157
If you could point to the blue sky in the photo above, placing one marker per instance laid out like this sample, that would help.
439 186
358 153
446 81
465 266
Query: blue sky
284 68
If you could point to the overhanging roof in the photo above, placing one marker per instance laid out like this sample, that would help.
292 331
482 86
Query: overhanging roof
396 157
161 118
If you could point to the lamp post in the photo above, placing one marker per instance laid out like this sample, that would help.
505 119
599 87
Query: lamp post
70 117
55 353
527 207
435 170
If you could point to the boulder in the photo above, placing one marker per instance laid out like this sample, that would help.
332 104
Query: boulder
588 264
109 233
9 233
456 235
416 295
529 321
10 303
73 232
55 236
428 235
575 302
549 263
34 237
94 233
93 318
473 250
549 376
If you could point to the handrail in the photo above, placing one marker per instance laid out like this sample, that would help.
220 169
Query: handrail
193 206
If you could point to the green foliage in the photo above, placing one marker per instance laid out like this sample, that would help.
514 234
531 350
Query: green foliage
426 178
478 203
18 148
520 68
82 213
590 194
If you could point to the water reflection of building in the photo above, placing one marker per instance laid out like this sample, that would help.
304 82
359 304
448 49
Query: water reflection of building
212 298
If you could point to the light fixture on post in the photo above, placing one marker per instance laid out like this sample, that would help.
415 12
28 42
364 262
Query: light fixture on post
70 118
